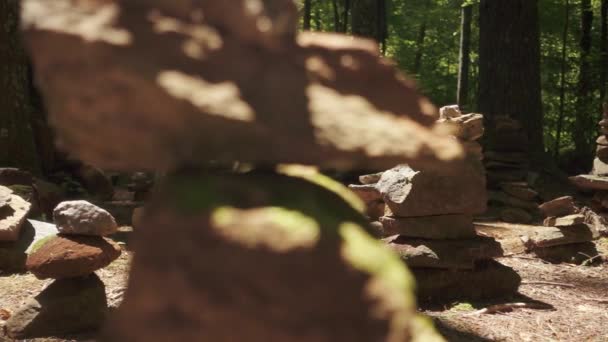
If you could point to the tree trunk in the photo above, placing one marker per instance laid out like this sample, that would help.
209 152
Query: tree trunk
420 44
346 15
307 14
562 91
509 66
585 121
603 50
464 58
364 16
318 23
17 147
337 24
382 25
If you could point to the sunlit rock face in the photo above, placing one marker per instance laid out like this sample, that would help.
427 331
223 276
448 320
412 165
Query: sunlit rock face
154 84
253 261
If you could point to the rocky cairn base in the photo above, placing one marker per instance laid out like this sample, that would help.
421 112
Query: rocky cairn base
76 300
427 218
570 230
511 196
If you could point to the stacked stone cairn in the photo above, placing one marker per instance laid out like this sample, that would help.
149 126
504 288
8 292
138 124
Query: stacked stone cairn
428 220
76 300
568 233
597 181
511 197
277 253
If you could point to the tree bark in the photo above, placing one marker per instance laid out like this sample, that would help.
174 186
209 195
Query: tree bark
509 66
585 121
307 14
17 147
382 25
337 24
420 43
464 58
562 91
346 15
603 50
364 17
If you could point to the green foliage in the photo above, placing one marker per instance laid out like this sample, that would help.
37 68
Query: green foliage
437 75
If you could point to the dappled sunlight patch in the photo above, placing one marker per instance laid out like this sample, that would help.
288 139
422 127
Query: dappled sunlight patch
93 21
276 228
220 99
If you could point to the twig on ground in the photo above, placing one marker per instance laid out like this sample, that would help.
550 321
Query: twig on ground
599 300
547 283
509 307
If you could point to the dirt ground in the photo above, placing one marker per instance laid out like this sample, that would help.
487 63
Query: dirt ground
570 303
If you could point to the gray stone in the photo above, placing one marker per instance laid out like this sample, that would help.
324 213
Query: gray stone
597 223
430 227
371 178
601 140
556 236
449 112
489 280
602 153
468 127
576 253
13 255
599 168
83 218
521 192
12 215
367 193
561 206
445 254
411 193
508 200
565 221
590 182
515 215
66 306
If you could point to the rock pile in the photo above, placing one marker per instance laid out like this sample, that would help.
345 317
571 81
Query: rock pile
428 220
511 197
76 300
597 180
570 230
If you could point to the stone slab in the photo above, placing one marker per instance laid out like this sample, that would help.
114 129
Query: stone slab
430 227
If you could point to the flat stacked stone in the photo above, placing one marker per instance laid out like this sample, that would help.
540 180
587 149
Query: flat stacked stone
597 181
76 300
511 197
568 233
428 220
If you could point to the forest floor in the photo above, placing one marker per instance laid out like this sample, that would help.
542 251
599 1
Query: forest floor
570 303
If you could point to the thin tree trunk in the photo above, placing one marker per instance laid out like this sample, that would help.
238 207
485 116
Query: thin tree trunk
17 146
585 121
562 92
307 14
382 29
337 24
603 50
420 43
345 16
364 18
465 57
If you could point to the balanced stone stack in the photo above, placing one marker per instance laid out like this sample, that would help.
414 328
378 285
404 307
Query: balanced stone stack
75 301
428 221
597 181
511 197
570 230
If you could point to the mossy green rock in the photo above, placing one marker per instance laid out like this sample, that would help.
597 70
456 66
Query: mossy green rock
260 257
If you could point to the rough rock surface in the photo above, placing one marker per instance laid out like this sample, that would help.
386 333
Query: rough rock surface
370 179
12 176
565 221
66 256
590 182
430 227
561 206
219 89
13 212
491 280
556 236
521 192
66 306
445 254
515 215
14 254
411 193
83 218
576 253
265 251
